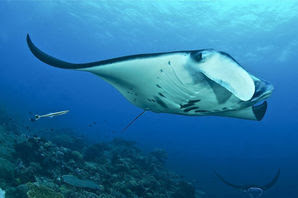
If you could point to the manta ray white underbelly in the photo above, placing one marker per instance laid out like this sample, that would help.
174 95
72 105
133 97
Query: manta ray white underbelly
198 82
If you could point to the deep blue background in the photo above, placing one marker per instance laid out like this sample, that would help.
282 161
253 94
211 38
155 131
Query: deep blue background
261 35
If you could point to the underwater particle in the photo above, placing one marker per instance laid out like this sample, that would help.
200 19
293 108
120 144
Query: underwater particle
92 124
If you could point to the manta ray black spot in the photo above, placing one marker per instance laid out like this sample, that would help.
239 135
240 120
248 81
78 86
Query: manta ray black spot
194 101
169 63
161 70
151 100
190 103
201 111
186 105
157 85
189 109
161 95
160 102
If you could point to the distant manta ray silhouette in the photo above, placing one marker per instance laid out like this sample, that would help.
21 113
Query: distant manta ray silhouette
194 83
254 191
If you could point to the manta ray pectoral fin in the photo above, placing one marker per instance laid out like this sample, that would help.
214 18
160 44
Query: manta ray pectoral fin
240 187
270 184
256 112
228 73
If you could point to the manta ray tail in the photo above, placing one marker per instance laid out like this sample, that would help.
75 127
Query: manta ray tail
274 180
50 60
131 122
240 187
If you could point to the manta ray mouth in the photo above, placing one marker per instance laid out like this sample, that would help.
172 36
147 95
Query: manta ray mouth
264 96
263 91
260 110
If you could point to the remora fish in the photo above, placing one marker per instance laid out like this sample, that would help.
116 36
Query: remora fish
195 83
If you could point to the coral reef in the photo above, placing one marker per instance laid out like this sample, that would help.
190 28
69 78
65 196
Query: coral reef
42 192
37 167
6 169
76 182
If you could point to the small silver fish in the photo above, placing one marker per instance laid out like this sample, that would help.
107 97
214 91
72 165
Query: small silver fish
49 115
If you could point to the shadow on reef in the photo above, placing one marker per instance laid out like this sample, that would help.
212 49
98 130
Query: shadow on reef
66 166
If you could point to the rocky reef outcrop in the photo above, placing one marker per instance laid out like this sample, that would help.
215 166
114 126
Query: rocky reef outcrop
34 167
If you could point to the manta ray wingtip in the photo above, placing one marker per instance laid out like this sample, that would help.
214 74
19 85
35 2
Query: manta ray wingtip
31 46
50 60
28 39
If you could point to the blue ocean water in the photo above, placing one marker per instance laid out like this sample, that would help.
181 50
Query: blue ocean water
261 35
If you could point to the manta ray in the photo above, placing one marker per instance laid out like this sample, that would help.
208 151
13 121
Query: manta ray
254 191
202 82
